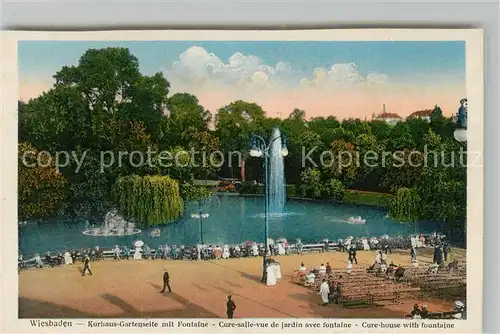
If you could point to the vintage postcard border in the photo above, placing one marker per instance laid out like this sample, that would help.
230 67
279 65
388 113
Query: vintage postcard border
474 86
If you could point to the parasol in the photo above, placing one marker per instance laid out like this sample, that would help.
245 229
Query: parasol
138 243
281 240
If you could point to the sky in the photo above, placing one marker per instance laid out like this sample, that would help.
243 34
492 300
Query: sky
343 79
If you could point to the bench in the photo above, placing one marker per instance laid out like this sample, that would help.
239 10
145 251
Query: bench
356 300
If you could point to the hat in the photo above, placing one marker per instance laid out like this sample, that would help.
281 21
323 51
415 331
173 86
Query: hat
424 306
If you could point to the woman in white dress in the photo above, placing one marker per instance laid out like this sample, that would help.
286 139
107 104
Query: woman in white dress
281 249
324 291
67 258
255 249
277 270
38 261
271 275
366 246
225 253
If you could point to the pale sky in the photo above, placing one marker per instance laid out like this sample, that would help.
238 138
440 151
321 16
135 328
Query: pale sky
343 79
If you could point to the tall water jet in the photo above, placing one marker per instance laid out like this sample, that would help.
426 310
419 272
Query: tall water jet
276 177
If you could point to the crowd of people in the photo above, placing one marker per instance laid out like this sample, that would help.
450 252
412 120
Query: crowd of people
248 249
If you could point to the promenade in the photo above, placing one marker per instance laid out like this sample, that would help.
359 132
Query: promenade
130 289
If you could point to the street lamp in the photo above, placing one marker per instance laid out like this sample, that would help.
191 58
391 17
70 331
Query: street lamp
200 215
259 148
460 133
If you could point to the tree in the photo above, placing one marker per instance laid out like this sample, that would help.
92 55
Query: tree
442 186
400 138
185 116
341 162
405 205
207 147
311 184
148 200
402 169
440 124
114 91
370 169
193 193
41 187
103 104
334 190
235 124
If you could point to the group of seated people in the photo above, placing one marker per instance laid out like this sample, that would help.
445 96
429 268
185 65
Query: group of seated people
308 277
458 312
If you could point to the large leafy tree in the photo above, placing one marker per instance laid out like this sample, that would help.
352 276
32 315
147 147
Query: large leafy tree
42 189
103 104
185 117
443 184
234 124
341 162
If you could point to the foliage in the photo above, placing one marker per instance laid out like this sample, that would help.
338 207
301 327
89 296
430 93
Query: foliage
41 188
148 200
191 192
405 205
250 188
334 190
367 198
311 184
341 161
402 169
185 116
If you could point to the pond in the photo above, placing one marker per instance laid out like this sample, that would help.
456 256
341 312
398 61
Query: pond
231 220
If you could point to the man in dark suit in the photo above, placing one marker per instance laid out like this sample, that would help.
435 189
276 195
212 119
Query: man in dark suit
399 273
166 281
231 306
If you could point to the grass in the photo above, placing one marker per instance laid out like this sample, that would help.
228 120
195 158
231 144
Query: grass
352 197
367 198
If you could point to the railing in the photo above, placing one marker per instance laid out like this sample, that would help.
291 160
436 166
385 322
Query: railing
110 253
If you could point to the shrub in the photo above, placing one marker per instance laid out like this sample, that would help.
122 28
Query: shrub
311 185
250 187
334 190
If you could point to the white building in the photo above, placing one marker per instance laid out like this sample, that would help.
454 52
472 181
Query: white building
389 118
422 114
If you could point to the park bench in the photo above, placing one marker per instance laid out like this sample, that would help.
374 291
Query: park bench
356 300
384 296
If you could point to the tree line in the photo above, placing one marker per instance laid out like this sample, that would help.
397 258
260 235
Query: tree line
104 103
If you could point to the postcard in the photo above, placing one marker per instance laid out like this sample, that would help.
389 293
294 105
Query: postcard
242 181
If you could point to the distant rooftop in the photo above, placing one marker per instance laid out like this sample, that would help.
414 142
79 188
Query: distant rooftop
420 113
386 115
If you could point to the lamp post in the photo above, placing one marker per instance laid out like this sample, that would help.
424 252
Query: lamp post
200 215
259 148
460 132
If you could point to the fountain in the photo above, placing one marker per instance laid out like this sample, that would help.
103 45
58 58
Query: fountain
276 186
114 226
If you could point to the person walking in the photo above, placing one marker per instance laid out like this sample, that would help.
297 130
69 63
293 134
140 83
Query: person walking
231 306
86 265
166 281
